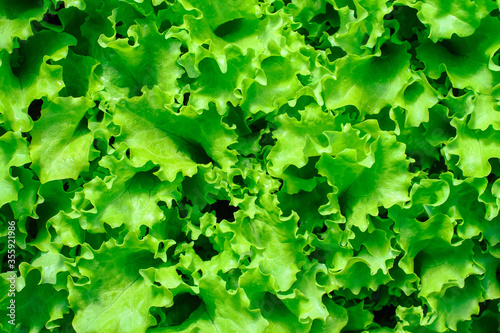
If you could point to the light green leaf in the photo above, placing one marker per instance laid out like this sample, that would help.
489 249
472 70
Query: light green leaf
369 83
31 75
13 152
31 293
474 149
466 60
175 141
149 61
361 25
64 125
363 187
447 18
15 21
116 284
417 98
268 239
456 304
128 197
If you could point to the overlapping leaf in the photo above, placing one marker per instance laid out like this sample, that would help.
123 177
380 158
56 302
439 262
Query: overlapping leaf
261 166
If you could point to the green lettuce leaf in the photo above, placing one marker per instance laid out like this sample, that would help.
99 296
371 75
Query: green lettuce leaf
113 281
445 19
14 153
71 139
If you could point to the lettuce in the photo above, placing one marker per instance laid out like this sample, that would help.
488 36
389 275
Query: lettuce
250 166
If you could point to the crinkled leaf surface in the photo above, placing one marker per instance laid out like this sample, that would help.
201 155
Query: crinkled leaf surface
64 125
250 166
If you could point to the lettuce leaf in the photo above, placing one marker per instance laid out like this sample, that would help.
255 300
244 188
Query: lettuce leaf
250 166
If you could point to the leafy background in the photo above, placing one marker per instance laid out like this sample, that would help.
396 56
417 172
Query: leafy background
251 166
